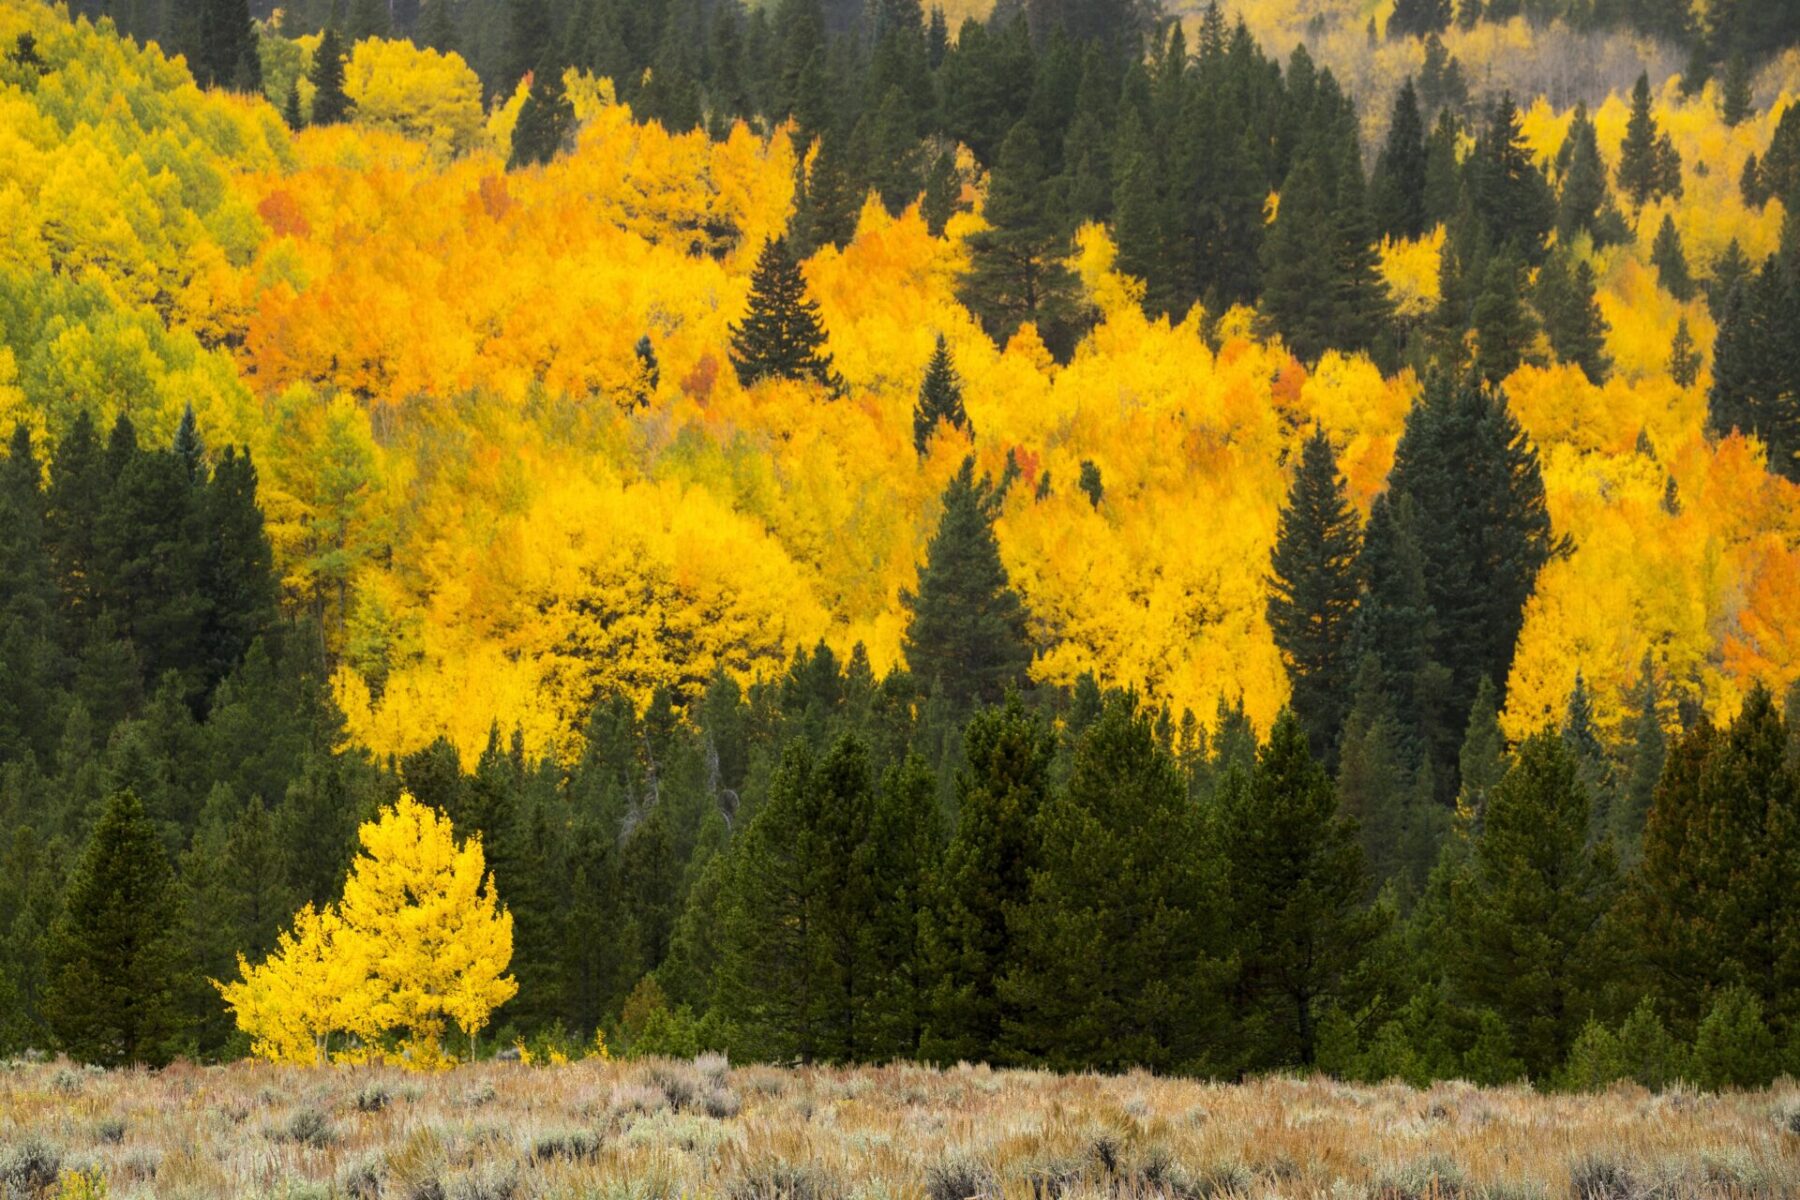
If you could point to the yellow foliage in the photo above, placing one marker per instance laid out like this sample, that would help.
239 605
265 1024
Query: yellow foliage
398 86
1409 267
418 942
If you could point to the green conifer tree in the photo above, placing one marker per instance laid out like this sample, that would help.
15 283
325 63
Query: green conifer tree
781 336
967 629
1397 191
330 106
985 879
940 398
114 952
1313 590
1671 262
1294 876
1529 940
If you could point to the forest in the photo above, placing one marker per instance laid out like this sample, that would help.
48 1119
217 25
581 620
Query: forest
1076 534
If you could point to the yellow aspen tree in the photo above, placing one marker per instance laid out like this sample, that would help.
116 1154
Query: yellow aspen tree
314 984
421 910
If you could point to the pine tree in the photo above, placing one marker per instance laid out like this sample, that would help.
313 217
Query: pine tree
1397 191
1294 875
236 568
1017 267
1112 939
943 193
781 336
1644 166
368 19
1313 593
1572 319
986 875
1649 751
1416 18
437 28
1529 939
530 41
1504 328
940 398
1684 359
545 120
1511 197
1713 903
1470 480
967 630
330 106
1670 261
290 108
226 54
114 952
1584 203
1736 101
1756 365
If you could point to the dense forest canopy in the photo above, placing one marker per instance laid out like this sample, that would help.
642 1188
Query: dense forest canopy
945 483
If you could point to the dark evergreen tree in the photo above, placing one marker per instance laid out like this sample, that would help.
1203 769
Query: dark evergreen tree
1313 590
1645 169
1756 366
1713 901
368 19
1670 261
781 336
1510 196
1294 878
1113 937
1504 327
226 54
330 106
1684 358
940 398
1584 204
1564 297
1417 18
1018 270
966 635
1736 101
985 880
1397 191
1530 940
546 120
114 951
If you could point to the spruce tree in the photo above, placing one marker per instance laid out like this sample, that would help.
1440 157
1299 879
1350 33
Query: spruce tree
113 955
1756 366
545 120
1017 267
1713 904
1416 18
1736 101
1005 780
1504 328
1645 167
966 634
330 106
1670 261
1113 965
1529 940
1684 359
1572 319
1644 767
1313 591
1397 191
1294 875
1509 193
226 55
940 398
781 336
368 19
1584 203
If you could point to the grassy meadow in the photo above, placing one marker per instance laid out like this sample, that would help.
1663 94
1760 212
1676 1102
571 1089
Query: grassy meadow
504 1131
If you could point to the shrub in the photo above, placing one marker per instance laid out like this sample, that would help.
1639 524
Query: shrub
782 1181
29 1168
1433 1177
373 1098
719 1103
1596 1178
960 1178
110 1130
568 1145
309 1127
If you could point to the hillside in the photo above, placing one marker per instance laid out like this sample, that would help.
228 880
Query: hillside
1096 538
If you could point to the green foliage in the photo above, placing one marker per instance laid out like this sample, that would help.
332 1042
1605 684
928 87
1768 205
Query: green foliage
967 634
1734 1047
940 398
781 336
1313 590
113 953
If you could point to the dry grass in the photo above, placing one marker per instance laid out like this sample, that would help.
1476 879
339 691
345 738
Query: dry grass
658 1129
